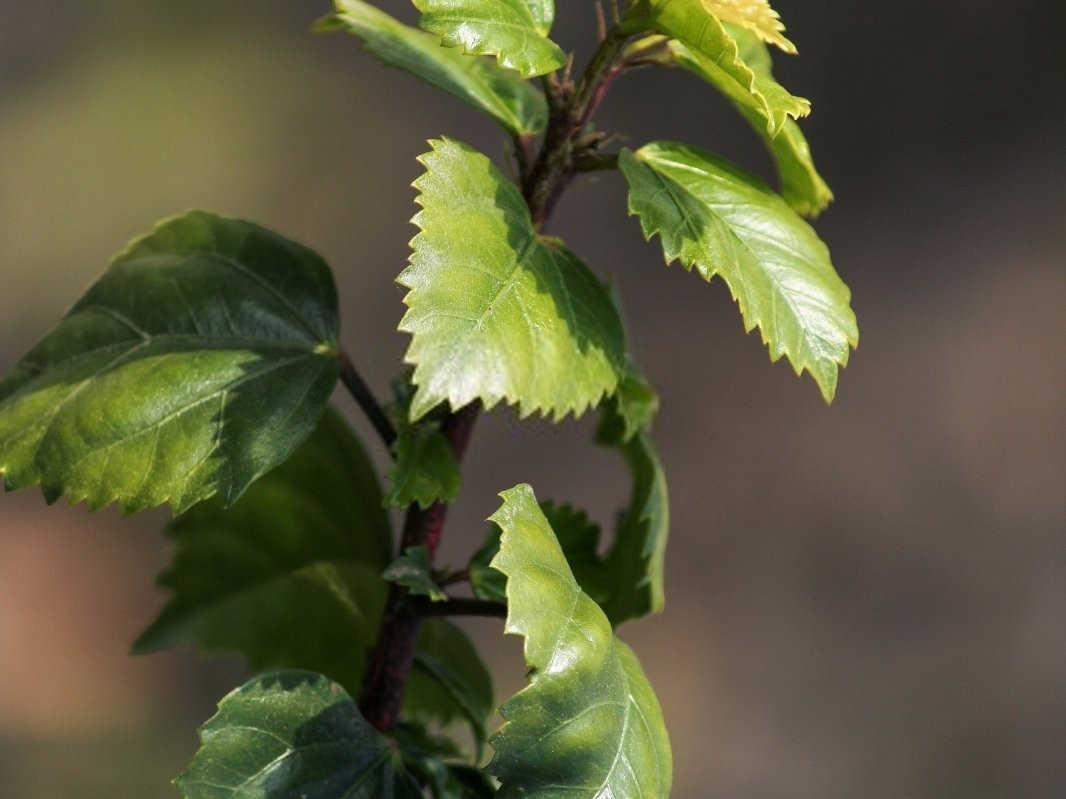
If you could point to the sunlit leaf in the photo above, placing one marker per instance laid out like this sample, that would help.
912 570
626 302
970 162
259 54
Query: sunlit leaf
721 221
588 725
497 311
199 361
499 92
755 16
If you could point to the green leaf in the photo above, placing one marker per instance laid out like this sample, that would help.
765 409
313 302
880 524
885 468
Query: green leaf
636 560
756 16
498 92
801 185
724 222
495 310
424 468
705 47
294 734
588 724
199 361
449 680
515 31
288 577
412 571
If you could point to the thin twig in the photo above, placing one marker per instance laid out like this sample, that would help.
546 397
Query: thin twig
362 394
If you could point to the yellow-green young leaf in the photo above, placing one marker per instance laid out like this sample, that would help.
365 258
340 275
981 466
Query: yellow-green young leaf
289 576
588 725
199 361
499 92
754 15
515 31
801 185
495 310
721 221
294 734
412 570
704 46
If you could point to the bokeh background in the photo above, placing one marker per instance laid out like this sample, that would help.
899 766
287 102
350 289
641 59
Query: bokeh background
863 600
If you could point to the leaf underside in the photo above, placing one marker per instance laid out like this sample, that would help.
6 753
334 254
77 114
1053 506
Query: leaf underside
495 310
721 221
515 31
499 92
588 725
199 361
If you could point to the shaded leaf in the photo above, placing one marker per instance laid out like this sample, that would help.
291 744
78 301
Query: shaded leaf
449 680
588 724
289 576
199 361
294 734
495 310
704 46
412 571
499 92
424 468
515 31
724 222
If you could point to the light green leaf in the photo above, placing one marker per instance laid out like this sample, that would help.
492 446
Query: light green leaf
288 577
801 185
756 16
636 560
449 680
495 310
412 571
705 47
498 92
724 222
515 31
294 734
199 361
588 724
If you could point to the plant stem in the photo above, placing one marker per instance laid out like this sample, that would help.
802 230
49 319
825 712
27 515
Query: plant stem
463 607
543 181
362 394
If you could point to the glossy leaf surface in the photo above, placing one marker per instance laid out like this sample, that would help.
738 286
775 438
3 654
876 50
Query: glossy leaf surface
801 185
588 725
495 310
289 576
723 222
294 734
199 361
499 92
704 46
756 16
515 31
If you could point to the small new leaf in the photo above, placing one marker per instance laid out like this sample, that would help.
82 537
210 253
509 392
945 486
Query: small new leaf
723 222
287 577
588 725
412 571
199 361
754 15
704 46
499 92
425 470
515 31
495 310
292 734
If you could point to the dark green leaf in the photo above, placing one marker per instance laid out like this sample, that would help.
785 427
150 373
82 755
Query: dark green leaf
588 725
449 680
412 571
199 361
724 222
480 82
294 735
515 31
424 469
497 311
288 577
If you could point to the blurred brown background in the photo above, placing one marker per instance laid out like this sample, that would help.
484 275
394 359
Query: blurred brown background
863 600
